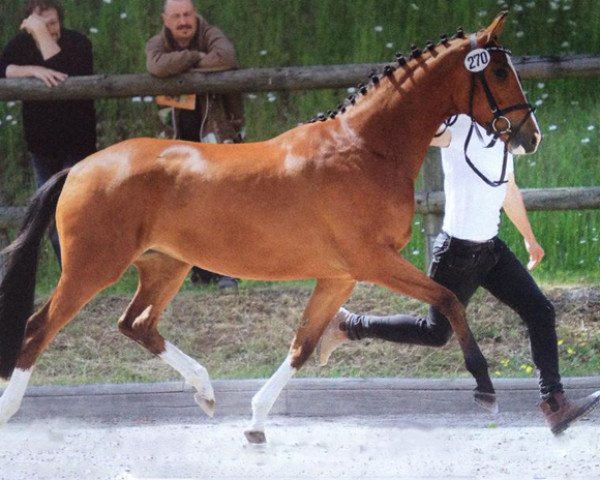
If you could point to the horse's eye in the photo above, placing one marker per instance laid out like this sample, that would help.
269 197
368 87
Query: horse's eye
501 73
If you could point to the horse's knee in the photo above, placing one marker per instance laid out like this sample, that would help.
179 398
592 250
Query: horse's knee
300 353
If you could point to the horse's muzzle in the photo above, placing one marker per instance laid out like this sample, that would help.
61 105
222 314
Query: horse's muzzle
524 142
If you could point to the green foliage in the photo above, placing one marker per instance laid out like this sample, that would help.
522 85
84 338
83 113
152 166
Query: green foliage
270 33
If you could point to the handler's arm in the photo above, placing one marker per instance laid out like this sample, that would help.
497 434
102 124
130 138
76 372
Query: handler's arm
161 63
514 207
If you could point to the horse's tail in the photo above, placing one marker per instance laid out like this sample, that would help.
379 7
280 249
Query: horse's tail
17 288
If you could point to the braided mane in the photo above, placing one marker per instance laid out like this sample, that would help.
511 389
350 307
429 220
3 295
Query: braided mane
374 77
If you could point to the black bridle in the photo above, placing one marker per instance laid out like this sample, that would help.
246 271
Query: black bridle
495 127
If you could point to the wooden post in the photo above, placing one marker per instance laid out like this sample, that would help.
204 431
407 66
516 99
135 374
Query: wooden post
433 181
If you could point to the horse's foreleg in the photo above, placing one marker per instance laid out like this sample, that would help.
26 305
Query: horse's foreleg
160 278
395 272
324 303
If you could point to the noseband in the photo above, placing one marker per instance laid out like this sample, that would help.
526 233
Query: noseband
500 123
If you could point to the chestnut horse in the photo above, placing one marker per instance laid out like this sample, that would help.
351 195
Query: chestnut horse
331 200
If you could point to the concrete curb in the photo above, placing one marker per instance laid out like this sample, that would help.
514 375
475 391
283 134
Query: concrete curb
308 397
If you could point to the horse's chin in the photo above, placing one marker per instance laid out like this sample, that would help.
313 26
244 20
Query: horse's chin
517 150
523 144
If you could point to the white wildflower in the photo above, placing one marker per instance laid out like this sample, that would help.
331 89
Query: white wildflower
378 28
262 53
553 127
520 34
540 85
123 15
136 99
585 140
148 99
389 45
591 127
93 30
414 6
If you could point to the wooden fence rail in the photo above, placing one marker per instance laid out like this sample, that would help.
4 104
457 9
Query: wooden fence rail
260 79
536 199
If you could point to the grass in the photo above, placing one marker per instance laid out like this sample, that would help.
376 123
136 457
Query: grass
247 336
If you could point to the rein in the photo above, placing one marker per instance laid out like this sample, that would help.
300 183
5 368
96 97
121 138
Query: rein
495 126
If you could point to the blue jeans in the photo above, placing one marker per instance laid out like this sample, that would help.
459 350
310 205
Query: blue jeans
44 167
463 267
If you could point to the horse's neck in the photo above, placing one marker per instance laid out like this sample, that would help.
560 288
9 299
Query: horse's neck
399 117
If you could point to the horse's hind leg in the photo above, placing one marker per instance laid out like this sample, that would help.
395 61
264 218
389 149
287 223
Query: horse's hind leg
327 298
160 278
70 296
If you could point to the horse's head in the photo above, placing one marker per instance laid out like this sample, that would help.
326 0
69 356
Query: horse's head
496 98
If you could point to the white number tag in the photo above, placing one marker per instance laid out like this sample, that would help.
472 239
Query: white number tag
477 60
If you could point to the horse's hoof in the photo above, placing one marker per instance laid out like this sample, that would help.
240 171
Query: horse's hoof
487 401
255 436
207 406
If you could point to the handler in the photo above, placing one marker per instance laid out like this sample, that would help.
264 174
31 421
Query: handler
468 254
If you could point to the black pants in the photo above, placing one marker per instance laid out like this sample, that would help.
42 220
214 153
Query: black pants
44 166
462 267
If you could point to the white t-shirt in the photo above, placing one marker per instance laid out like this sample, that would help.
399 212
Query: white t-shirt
473 207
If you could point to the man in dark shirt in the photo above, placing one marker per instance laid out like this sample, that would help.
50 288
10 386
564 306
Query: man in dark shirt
58 133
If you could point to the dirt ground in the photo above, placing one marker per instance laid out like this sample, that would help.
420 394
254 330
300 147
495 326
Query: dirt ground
246 335
373 448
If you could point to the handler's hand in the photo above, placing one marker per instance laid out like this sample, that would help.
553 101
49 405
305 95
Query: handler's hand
536 253
50 77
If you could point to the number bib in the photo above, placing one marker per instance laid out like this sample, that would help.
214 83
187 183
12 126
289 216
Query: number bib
477 60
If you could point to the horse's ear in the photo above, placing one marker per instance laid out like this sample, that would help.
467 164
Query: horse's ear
494 30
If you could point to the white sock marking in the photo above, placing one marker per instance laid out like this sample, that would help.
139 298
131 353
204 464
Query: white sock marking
264 399
13 394
193 373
